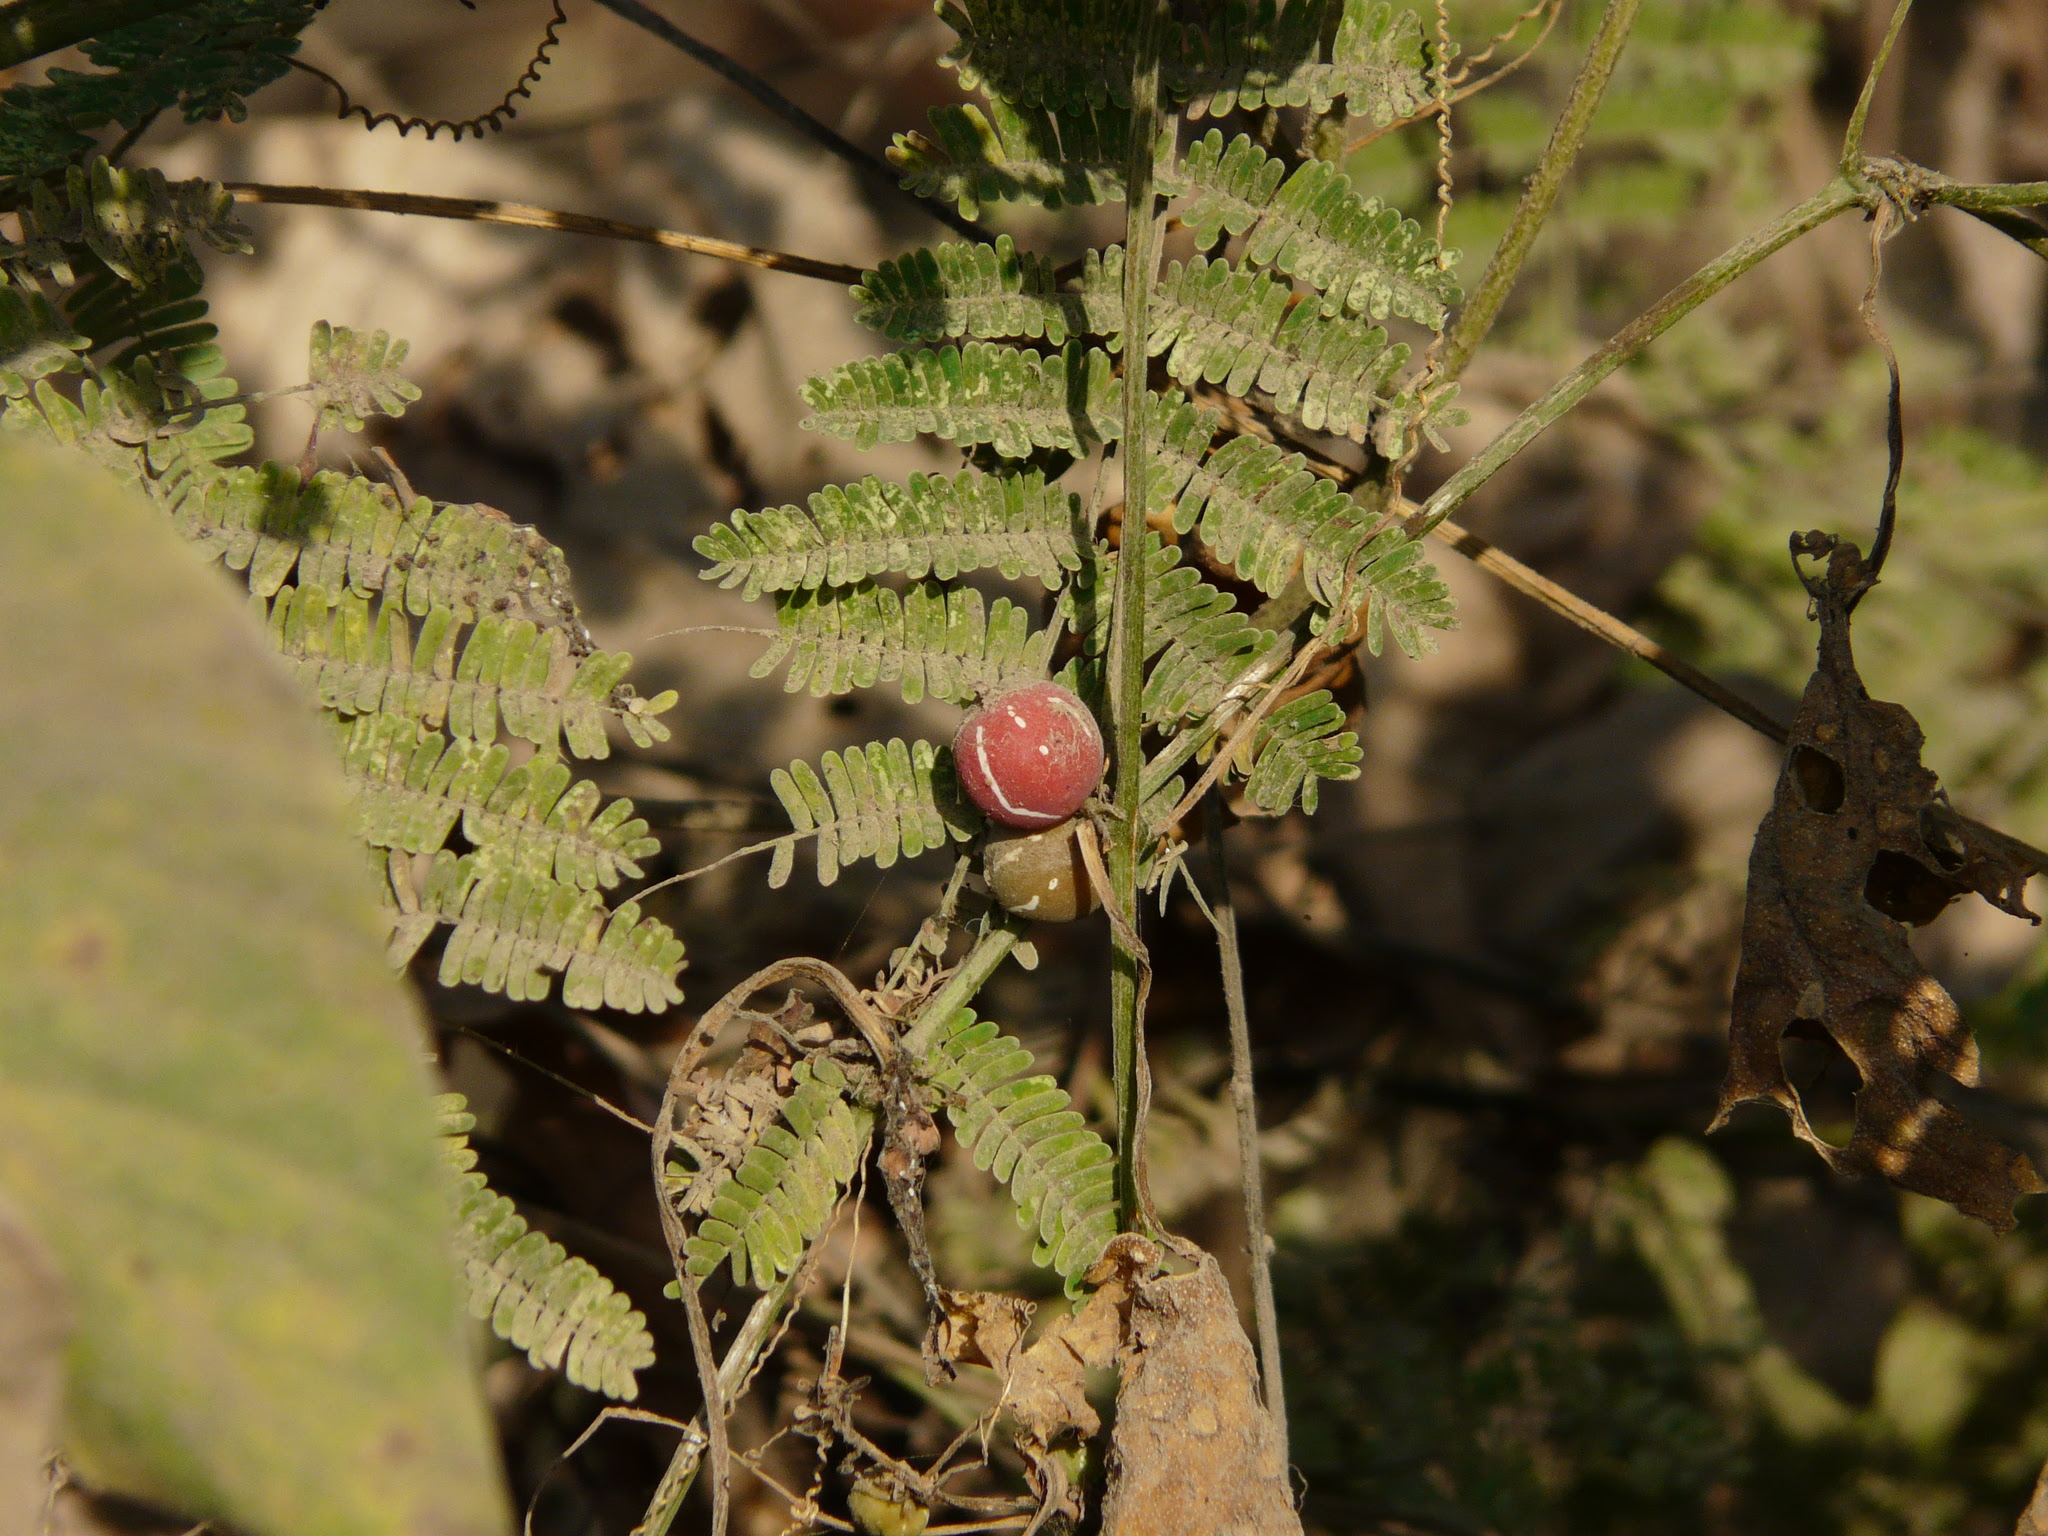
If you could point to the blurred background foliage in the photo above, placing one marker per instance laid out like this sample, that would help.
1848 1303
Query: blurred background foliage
1488 984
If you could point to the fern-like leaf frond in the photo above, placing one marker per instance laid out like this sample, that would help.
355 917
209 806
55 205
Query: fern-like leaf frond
201 59
513 932
882 801
764 1215
1250 54
933 639
356 658
1238 55
167 324
1204 646
942 292
1214 322
414 786
1362 258
980 393
355 375
1267 514
1404 597
1017 1125
934 526
559 1309
1016 154
1245 330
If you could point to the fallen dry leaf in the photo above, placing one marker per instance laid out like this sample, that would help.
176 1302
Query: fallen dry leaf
1860 841
1193 1452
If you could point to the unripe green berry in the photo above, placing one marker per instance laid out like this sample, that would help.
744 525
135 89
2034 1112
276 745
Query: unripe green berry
880 1509
1040 875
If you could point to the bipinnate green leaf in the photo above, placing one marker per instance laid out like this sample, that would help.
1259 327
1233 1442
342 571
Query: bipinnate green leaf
212 1108
355 375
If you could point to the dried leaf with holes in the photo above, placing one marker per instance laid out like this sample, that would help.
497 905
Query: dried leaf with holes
1193 1448
978 1328
1860 841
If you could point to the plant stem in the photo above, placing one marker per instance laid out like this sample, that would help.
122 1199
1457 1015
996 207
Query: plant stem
31 28
1127 623
1832 199
1995 195
1999 206
1540 194
1244 1100
738 74
524 216
1852 142
733 1371
968 978
1597 621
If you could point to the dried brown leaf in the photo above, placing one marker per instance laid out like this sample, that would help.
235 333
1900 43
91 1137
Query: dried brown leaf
979 1328
1860 841
1193 1449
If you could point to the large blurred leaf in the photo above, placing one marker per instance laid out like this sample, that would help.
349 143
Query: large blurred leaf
212 1108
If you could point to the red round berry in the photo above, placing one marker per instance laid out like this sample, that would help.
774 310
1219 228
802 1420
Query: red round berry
1029 757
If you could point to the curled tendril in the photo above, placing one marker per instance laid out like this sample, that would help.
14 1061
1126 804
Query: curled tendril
492 121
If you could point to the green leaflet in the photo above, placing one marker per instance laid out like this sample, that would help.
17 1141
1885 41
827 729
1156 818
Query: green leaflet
1296 747
515 931
167 324
413 787
882 801
1227 325
1237 55
560 1310
980 393
1361 257
934 638
764 1215
934 526
1060 1174
499 645
1203 646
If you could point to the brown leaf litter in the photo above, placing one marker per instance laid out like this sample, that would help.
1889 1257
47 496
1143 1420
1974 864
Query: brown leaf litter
1860 842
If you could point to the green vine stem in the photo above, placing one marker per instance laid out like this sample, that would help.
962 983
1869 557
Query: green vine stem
968 978
31 28
1989 198
1127 623
1852 141
1832 199
1540 193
